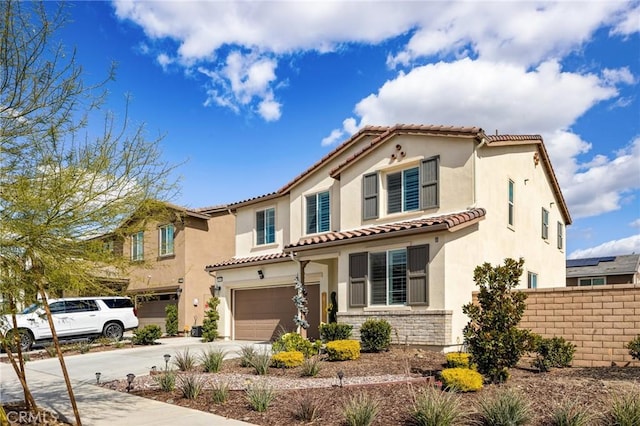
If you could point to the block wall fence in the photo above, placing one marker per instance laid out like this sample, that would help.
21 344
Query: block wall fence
600 320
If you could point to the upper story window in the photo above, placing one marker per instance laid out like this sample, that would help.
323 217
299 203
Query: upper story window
165 240
592 281
407 190
532 280
266 226
108 246
137 246
393 277
545 224
511 202
560 236
318 212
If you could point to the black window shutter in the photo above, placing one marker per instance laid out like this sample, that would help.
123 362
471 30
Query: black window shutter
358 267
370 196
394 193
429 177
418 275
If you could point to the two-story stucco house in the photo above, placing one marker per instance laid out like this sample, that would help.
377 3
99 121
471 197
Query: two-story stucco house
394 221
168 254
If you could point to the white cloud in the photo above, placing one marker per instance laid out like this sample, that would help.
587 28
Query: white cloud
621 75
334 137
628 22
635 223
622 246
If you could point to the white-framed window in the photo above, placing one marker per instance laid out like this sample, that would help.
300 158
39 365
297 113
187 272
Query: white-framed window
545 224
318 212
560 236
511 202
388 282
532 280
592 281
403 191
266 226
137 246
165 240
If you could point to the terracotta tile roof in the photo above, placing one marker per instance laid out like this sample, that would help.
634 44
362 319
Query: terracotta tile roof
266 258
497 138
388 230
468 132
257 199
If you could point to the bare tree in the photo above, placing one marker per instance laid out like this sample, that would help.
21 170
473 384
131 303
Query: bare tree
60 185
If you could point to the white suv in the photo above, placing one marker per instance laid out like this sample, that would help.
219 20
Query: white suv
74 317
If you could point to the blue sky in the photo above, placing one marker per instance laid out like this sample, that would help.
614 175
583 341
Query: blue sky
249 94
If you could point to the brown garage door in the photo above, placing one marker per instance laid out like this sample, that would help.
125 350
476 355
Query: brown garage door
263 314
153 312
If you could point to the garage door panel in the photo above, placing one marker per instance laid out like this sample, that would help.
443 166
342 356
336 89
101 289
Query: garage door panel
153 312
264 314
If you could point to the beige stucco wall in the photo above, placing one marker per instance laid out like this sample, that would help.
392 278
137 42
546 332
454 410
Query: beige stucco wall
532 192
245 238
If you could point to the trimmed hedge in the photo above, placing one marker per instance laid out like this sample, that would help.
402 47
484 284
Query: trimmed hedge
287 359
461 379
458 360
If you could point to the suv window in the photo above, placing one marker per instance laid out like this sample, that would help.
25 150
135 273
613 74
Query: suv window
80 306
118 303
57 307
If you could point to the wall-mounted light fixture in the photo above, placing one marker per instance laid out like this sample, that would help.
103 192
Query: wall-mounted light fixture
260 274
180 280
178 291
215 290
195 302
219 279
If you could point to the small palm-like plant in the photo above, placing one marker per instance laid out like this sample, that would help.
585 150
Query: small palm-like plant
260 395
212 359
433 407
184 360
505 408
360 410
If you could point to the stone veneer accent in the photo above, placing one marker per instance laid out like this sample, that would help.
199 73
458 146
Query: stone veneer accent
429 327
599 320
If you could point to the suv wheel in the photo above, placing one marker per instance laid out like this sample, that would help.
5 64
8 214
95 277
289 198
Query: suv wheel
113 330
26 340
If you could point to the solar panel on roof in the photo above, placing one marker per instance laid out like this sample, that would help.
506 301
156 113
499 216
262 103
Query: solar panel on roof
591 261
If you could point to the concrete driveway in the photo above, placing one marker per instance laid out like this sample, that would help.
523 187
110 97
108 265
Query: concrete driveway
99 406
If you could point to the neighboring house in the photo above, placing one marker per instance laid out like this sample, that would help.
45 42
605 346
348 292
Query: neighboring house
394 221
168 257
603 270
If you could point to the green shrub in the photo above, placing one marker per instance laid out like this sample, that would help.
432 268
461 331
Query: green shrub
342 350
305 407
260 362
571 414
458 360
166 381
492 334
634 348
212 359
624 409
184 360
506 407
289 342
171 320
210 322
335 331
461 379
246 355
360 410
311 366
147 335
287 359
190 385
260 396
220 392
375 335
432 407
554 352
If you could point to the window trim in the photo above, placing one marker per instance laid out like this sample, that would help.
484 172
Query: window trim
560 229
265 234
168 246
388 269
532 283
511 195
545 224
591 279
318 214
137 255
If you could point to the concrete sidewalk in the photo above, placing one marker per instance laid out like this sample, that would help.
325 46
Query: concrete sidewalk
100 406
